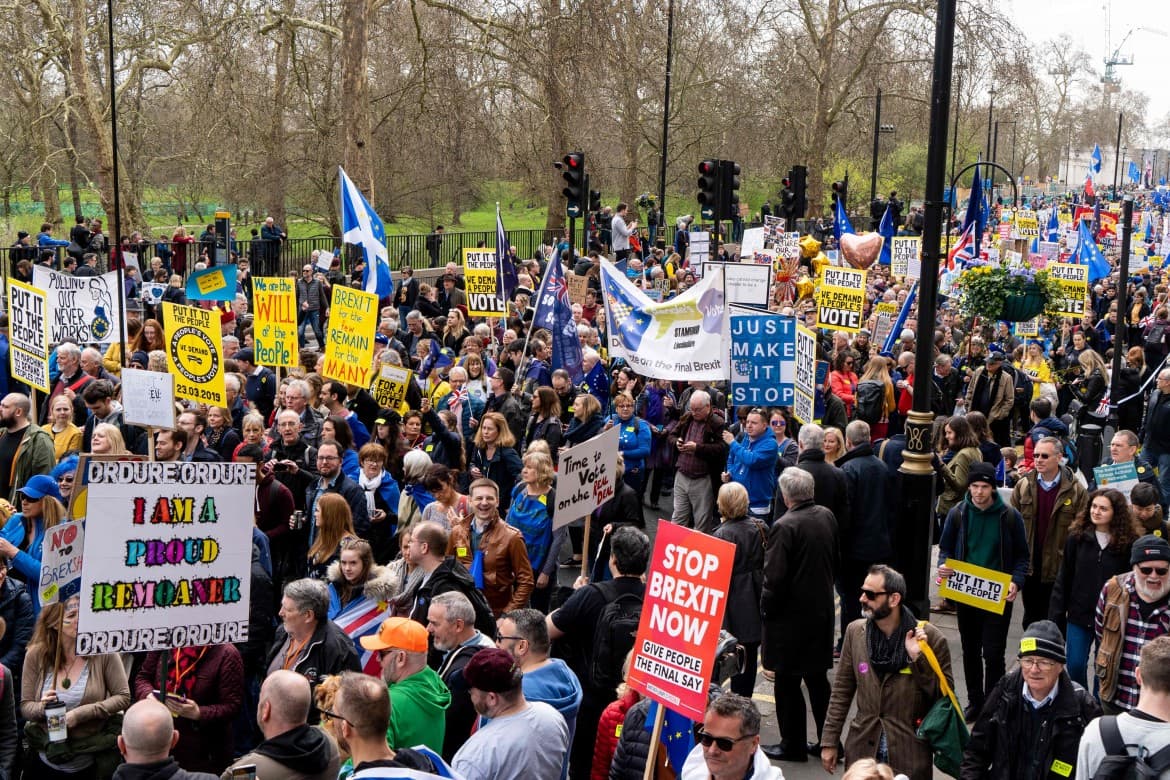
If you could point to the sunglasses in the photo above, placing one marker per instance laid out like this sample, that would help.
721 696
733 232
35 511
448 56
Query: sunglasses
723 743
871 595
777 423
1151 571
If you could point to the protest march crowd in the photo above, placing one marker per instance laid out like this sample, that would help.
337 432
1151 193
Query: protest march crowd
409 452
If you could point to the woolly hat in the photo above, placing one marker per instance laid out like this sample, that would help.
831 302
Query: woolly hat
981 472
1043 638
1149 548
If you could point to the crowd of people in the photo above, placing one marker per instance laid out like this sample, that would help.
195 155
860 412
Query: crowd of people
487 663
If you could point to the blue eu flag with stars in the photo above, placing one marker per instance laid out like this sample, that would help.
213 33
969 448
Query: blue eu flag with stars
678 734
629 320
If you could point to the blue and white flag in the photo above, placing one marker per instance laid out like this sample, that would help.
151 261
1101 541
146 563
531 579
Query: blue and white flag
1095 158
508 280
361 226
1053 225
1134 174
1088 253
976 212
554 313
678 735
841 223
886 229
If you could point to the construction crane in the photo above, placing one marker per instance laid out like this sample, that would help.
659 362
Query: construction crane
1114 58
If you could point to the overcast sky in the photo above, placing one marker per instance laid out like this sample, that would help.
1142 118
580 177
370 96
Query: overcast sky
1084 21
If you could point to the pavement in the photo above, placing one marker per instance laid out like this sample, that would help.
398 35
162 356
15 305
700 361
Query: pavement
763 696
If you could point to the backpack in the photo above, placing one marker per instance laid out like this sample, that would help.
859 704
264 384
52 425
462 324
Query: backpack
1068 449
1119 764
613 635
1156 334
871 401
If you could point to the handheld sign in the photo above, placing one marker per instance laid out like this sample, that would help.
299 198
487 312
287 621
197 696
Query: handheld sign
148 398
586 477
682 612
28 330
1118 476
61 562
195 353
763 358
275 327
976 586
841 299
349 341
389 388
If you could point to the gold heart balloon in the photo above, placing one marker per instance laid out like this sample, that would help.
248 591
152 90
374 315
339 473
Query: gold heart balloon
809 247
861 250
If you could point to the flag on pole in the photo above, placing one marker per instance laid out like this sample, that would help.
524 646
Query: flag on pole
1053 224
1134 174
678 734
554 312
886 229
841 223
1088 253
1089 191
508 279
976 212
1095 157
963 252
361 226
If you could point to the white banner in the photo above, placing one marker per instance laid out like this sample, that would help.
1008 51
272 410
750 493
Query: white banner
148 398
684 338
168 556
586 477
83 309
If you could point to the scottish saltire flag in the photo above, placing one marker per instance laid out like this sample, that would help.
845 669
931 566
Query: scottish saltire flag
361 226
217 283
1134 174
363 618
1088 253
678 734
1095 158
507 269
963 252
554 312
976 212
841 223
1053 225
886 229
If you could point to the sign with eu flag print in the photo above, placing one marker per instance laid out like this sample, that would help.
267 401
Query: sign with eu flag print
763 357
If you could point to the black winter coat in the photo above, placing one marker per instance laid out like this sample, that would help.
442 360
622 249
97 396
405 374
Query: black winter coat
831 488
742 617
867 532
1007 742
1083 573
17 611
330 652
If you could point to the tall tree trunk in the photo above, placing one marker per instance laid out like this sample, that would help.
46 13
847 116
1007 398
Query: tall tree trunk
556 102
276 188
355 94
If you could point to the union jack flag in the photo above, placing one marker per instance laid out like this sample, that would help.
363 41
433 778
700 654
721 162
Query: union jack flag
363 618
963 252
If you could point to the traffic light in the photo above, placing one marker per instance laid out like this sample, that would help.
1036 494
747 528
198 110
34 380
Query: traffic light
573 171
595 200
787 198
709 183
729 189
840 193
799 177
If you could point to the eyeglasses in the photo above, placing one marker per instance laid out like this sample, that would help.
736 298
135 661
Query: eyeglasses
1041 456
335 716
723 743
1154 571
1043 664
502 637
328 457
871 595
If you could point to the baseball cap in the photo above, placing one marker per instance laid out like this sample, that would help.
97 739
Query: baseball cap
399 632
40 486
493 670
246 354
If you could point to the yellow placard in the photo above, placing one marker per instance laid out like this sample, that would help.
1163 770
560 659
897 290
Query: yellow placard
389 388
275 328
976 586
1074 282
212 282
481 277
1062 768
195 353
28 331
349 341
841 299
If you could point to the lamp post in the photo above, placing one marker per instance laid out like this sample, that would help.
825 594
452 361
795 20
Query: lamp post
666 111
915 525
117 226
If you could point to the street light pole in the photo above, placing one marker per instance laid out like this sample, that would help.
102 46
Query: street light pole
666 111
117 226
915 526
877 129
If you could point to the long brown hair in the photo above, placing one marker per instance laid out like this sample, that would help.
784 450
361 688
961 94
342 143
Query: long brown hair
46 632
148 346
1124 528
366 554
336 524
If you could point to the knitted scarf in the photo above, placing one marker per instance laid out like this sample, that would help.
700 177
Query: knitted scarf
887 654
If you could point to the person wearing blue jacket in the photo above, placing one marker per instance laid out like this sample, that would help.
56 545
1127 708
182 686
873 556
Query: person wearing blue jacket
23 535
751 461
633 439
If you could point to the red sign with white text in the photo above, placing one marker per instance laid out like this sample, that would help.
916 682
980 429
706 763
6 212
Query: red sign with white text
682 612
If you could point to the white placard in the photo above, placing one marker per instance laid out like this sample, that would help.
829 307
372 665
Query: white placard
586 477
700 247
83 309
325 260
61 557
148 398
746 283
168 555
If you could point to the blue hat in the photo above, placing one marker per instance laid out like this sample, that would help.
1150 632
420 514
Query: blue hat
40 486
381 338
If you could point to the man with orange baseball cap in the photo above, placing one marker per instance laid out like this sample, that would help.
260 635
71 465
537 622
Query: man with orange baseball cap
418 698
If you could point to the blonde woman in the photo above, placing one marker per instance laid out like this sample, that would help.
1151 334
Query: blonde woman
834 444
107 440
1036 369
1091 386
66 436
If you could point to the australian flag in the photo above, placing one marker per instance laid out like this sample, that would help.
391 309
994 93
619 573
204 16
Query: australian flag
554 312
625 304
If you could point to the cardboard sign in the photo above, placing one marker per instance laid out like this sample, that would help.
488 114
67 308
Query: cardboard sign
841 299
586 477
195 353
763 358
61 558
906 257
788 245
578 286
484 288
976 586
1074 281
804 380
682 612
349 340
389 388
148 398
28 333
884 315
168 556
746 283
1118 476
82 309
275 328
324 260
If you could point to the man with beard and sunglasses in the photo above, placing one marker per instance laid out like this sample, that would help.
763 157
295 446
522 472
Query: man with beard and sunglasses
1131 611
884 671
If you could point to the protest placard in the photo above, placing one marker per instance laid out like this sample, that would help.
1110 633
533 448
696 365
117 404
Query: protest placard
1028 329
1118 476
275 328
682 612
841 299
148 398
976 586
804 380
699 248
1074 282
195 353
1027 225
763 357
61 557
484 286
884 315
82 309
788 245
905 257
28 333
324 260
217 283
389 388
586 477
752 241
349 340
578 285
152 292
171 566
746 283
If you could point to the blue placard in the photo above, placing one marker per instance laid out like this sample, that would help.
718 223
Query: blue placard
822 377
763 358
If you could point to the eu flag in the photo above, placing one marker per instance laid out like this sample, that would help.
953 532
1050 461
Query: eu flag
886 229
841 223
628 319
554 312
1088 253
678 734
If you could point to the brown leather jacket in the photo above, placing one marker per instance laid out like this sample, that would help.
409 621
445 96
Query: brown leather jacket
507 573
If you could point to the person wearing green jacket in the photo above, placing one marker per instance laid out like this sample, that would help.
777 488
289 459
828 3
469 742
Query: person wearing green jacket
418 698
25 449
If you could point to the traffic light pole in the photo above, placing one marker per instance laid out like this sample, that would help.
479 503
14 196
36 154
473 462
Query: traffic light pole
877 134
